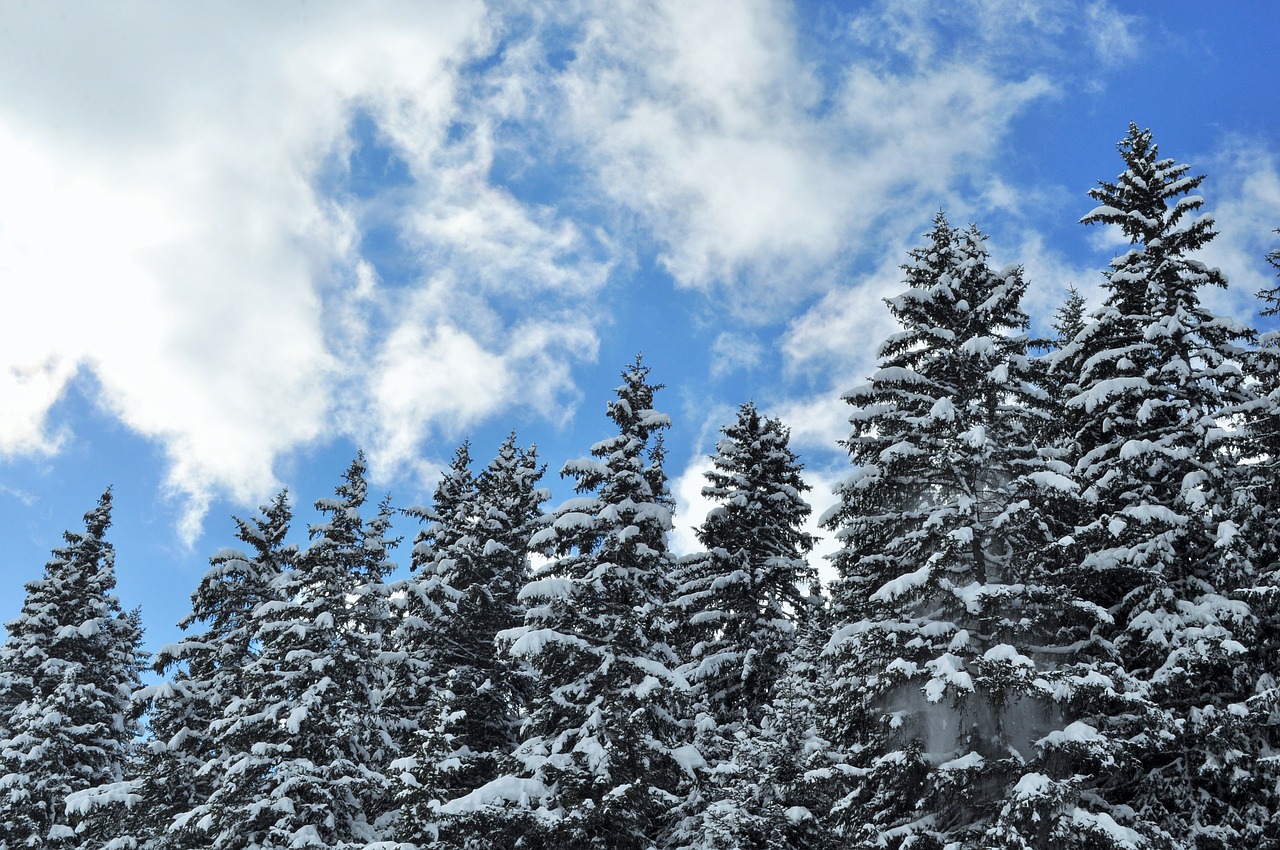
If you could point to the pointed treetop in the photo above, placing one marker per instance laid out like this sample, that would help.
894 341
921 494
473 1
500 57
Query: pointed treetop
1137 202
98 518
633 409
1068 320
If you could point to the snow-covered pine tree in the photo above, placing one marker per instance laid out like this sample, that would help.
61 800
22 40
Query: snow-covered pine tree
739 599
603 766
964 715
1159 375
72 661
421 603
193 715
470 564
1259 501
1059 368
773 790
737 606
305 745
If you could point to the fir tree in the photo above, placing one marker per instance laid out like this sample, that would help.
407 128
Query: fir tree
773 790
1069 319
955 676
737 606
470 564
602 765
740 598
1158 376
422 633
1259 503
190 713
72 661
305 747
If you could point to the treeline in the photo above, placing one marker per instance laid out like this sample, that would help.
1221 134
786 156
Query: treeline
1056 622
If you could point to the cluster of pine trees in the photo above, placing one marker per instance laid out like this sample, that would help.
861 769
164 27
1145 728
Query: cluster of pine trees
1056 622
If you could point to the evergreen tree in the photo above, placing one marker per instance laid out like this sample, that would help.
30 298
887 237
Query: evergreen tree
740 598
470 564
305 748
423 601
1069 319
773 789
737 606
1259 503
962 706
1158 376
208 677
71 661
603 767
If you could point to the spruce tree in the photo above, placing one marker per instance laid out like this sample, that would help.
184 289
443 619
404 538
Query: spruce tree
71 661
603 767
959 700
470 563
420 638
1159 376
772 791
737 604
1259 503
740 598
305 749
192 712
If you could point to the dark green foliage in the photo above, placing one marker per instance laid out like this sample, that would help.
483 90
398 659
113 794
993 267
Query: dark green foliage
1158 377
600 764
738 599
470 563
70 663
957 660
193 714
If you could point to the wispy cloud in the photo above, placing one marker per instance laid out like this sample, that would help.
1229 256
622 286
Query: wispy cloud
179 220
752 171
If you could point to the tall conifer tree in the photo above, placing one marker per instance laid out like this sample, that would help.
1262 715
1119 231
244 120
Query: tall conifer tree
71 661
603 764
955 674
470 565
740 598
194 715
308 768
1159 376
738 602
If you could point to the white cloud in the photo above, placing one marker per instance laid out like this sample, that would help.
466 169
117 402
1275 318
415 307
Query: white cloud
691 505
165 226
162 230
994 32
732 352
752 172
432 375
1242 190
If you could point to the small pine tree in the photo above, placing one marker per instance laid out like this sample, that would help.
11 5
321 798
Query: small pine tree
72 659
189 713
603 764
305 750
470 564
740 598
737 607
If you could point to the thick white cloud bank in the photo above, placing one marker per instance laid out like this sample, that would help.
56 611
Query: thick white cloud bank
178 226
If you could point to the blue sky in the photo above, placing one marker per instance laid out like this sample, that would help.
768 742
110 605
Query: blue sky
238 241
